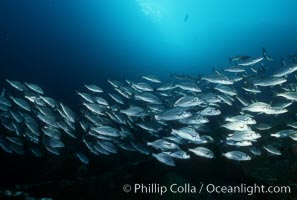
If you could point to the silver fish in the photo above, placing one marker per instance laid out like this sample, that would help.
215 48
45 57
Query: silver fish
94 88
34 88
173 114
237 155
251 62
151 78
164 158
202 151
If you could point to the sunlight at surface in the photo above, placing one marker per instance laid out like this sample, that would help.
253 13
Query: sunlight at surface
168 16
151 8
188 29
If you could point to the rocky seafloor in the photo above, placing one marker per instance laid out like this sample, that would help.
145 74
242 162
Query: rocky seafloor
64 177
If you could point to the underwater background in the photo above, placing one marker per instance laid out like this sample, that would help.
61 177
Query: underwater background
62 45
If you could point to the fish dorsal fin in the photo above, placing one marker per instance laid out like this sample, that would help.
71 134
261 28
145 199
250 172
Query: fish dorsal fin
283 62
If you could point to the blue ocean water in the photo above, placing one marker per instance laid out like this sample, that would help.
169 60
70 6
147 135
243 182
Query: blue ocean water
62 45
91 41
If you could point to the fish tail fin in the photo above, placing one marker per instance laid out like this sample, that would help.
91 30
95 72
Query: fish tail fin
264 53
157 117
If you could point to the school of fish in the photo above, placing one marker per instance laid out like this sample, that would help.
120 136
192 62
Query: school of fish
229 113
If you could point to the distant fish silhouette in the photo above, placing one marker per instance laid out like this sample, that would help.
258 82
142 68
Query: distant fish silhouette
186 17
